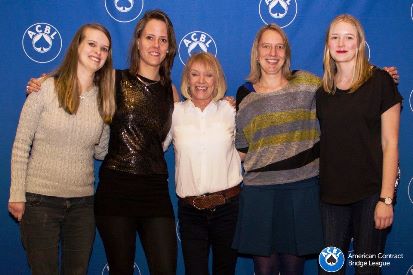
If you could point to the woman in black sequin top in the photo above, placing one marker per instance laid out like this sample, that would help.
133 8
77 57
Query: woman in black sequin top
133 195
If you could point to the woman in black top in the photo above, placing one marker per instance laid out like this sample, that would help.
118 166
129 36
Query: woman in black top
132 195
358 107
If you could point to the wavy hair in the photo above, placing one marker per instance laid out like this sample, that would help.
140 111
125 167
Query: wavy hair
211 63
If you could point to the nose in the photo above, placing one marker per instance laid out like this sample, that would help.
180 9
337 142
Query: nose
273 50
156 43
201 78
340 41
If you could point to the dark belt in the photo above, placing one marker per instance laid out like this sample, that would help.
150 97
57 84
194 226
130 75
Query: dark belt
212 200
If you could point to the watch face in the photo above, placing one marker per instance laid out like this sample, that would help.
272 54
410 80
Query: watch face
388 200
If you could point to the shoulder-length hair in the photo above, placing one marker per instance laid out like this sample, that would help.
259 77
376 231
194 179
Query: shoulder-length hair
134 54
67 83
211 63
255 68
362 69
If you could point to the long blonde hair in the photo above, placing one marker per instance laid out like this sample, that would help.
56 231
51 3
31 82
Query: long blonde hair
67 84
255 68
362 68
210 62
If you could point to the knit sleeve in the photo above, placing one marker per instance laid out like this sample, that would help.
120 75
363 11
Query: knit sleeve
25 134
101 149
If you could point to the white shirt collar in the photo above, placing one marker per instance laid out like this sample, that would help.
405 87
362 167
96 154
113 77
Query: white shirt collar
210 108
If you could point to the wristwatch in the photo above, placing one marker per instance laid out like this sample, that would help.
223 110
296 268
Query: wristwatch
386 200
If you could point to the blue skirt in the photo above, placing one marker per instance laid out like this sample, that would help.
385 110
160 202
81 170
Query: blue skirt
281 218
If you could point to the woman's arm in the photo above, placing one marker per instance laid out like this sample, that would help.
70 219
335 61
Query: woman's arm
101 149
390 121
175 94
28 123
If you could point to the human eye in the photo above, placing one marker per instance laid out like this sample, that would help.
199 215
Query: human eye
280 46
265 46
91 44
149 37
333 37
105 49
194 74
164 40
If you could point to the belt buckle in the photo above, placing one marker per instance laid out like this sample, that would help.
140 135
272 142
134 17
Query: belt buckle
208 201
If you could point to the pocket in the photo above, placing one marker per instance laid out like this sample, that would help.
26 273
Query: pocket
33 199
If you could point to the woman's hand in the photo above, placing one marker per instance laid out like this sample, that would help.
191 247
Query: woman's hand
230 100
34 84
383 215
392 71
17 209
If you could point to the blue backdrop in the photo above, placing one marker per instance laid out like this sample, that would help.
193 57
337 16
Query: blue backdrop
35 34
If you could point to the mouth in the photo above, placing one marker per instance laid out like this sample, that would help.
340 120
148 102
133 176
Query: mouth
95 59
341 51
155 53
272 61
201 88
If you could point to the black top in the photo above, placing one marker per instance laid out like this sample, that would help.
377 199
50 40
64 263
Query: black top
140 124
351 156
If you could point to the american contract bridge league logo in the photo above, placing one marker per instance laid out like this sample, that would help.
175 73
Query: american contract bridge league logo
42 42
196 42
124 10
280 12
331 259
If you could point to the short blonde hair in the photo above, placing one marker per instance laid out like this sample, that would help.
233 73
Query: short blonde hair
210 62
255 68
362 69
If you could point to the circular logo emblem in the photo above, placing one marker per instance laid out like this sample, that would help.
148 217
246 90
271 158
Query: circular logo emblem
411 11
410 190
410 270
411 101
136 270
368 50
42 42
331 259
195 42
124 10
281 12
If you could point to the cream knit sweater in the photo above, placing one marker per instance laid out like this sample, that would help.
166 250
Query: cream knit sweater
53 151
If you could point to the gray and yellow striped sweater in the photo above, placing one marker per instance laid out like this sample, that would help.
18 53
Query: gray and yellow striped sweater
279 131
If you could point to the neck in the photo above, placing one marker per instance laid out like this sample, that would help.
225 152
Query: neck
345 75
150 72
85 80
270 83
201 104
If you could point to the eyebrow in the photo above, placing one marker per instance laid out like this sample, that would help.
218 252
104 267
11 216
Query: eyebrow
91 40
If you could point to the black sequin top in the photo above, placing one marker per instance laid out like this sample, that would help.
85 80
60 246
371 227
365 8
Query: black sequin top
140 124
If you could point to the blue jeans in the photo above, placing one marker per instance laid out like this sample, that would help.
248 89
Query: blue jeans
355 220
48 221
204 229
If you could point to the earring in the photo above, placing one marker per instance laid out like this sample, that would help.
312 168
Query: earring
167 51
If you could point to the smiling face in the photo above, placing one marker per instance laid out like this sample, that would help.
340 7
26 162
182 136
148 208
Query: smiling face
343 42
153 44
271 52
93 50
202 82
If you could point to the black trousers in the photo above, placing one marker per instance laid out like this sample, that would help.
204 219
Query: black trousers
202 230
157 235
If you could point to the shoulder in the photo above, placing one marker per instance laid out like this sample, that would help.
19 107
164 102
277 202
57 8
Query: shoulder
224 106
242 92
305 78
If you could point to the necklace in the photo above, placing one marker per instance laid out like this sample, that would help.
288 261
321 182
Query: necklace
145 83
